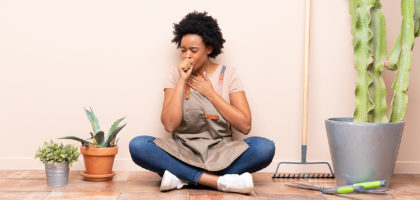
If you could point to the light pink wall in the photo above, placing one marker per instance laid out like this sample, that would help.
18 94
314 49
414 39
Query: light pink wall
58 57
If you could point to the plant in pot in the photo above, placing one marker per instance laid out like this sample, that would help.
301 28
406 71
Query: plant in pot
365 147
99 150
57 159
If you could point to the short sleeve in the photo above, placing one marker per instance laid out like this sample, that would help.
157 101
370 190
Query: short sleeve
172 78
235 82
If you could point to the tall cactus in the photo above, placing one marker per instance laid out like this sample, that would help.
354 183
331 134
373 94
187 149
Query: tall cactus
417 18
378 45
370 59
360 10
400 85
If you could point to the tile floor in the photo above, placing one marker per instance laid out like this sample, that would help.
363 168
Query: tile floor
31 184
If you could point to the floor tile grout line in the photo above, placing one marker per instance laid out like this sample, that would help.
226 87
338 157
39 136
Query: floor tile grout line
392 195
118 196
122 188
7 177
46 195
256 194
15 172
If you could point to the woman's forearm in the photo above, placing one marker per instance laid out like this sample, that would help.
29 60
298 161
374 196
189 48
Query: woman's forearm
239 120
172 110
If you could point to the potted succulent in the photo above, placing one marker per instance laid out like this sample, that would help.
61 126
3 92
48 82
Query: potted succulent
57 159
99 150
365 147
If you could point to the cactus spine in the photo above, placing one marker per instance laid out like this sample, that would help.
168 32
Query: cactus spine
370 59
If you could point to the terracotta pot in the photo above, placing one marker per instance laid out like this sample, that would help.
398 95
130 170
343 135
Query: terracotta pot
98 163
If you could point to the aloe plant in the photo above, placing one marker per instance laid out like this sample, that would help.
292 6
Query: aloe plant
370 59
98 138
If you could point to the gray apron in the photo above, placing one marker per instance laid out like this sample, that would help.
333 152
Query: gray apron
204 138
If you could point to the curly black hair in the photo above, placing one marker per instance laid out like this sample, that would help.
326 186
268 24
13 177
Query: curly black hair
203 25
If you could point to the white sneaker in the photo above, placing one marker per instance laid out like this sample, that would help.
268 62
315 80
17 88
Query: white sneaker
236 183
170 182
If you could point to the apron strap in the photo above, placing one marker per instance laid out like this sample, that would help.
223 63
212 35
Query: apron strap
220 84
216 117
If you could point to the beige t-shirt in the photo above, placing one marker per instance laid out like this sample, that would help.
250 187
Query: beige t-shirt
231 80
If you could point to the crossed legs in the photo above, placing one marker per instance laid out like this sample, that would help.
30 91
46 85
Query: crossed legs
148 155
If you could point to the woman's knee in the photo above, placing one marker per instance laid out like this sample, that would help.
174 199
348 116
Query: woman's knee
140 143
263 147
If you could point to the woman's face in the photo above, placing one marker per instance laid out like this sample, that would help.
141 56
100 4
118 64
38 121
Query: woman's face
192 46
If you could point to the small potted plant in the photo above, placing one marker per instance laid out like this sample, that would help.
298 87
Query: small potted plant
57 159
99 151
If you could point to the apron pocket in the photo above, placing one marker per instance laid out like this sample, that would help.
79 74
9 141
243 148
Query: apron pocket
192 122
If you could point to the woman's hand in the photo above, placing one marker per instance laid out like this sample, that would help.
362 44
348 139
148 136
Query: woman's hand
202 84
185 68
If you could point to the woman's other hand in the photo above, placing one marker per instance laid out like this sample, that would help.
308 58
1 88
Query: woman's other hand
202 84
185 68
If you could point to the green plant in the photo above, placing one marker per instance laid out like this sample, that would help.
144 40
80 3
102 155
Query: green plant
370 59
54 153
98 136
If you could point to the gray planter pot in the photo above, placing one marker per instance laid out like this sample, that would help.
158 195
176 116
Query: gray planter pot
363 152
57 176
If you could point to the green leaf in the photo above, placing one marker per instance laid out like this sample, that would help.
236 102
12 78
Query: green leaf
112 129
75 138
112 135
56 153
115 125
99 137
93 120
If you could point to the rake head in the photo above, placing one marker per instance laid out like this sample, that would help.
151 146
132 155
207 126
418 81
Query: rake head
304 175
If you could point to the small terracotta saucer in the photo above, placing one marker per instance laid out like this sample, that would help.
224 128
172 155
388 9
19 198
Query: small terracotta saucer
98 177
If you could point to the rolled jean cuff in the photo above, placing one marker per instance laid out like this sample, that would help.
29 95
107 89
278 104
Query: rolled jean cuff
197 177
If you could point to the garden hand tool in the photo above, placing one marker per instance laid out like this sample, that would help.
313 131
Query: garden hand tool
358 187
305 115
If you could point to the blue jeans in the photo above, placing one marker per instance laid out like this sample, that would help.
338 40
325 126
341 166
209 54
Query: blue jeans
148 155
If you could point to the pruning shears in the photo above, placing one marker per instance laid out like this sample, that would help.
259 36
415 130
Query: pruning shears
358 187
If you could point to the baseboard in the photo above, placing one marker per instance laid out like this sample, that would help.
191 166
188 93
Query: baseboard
126 164
25 163
407 167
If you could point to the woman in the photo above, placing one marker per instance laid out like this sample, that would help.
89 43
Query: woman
202 101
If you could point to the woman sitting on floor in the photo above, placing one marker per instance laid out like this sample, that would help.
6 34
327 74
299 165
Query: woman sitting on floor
202 101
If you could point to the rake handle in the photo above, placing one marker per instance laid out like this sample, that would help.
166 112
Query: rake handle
306 79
